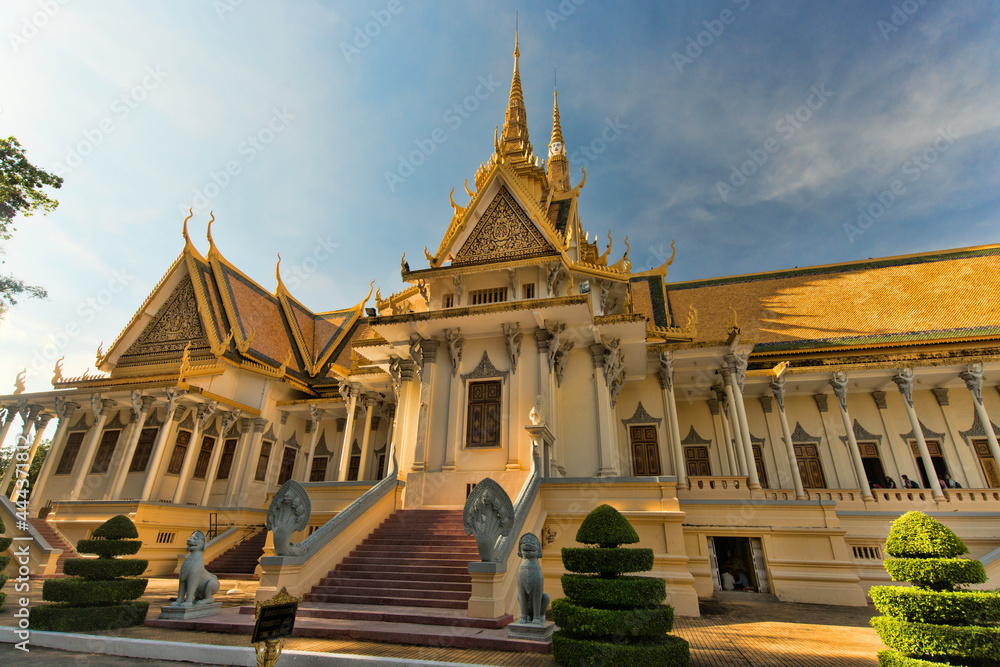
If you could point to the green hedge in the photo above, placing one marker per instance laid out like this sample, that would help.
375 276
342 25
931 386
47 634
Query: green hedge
83 591
916 535
607 562
614 593
5 542
64 618
588 653
117 528
108 548
613 624
605 526
943 607
4 560
104 568
3 596
936 573
890 658
924 640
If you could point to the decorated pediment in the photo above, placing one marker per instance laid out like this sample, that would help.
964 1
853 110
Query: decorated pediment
176 324
503 233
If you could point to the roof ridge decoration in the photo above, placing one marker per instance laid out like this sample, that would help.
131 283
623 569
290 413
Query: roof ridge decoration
503 232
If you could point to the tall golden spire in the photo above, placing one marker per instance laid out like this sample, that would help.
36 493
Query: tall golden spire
514 140
558 165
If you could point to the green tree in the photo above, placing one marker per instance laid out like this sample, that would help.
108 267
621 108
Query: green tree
21 192
33 470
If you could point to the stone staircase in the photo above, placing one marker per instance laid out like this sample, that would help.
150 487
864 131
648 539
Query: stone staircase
407 583
416 558
240 561
56 540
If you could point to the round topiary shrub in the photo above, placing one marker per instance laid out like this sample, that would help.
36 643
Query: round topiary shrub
934 622
103 595
608 618
5 543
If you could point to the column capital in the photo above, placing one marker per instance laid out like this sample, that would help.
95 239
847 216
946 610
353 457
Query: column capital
904 381
726 374
666 373
765 404
879 398
315 415
64 408
173 396
941 394
205 413
713 406
542 337
778 389
822 402
259 424
738 367
456 344
283 417
839 384
597 351
41 421
429 350
973 376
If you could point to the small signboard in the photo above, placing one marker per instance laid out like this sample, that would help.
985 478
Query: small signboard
275 621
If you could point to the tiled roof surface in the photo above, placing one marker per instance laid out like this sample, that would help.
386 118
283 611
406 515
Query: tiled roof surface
944 295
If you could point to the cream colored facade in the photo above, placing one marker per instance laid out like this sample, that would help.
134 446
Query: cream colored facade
735 421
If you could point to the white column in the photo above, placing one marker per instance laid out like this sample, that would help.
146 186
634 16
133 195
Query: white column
205 413
778 389
145 407
160 446
9 414
839 384
28 414
100 408
277 452
390 415
234 484
737 369
64 412
243 480
428 368
315 416
220 444
727 435
369 403
41 421
345 449
667 387
729 410
606 452
973 377
904 380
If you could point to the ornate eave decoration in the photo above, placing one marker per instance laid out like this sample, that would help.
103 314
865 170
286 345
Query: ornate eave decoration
188 422
504 232
269 435
115 423
212 430
642 417
756 441
81 424
928 434
862 434
693 438
291 442
977 430
484 370
800 435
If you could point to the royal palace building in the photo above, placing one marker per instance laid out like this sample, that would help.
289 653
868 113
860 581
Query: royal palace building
761 422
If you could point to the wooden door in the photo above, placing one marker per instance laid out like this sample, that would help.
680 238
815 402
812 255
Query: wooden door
645 450
697 462
989 464
810 468
758 459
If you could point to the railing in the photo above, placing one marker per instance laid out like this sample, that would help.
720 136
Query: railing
298 573
42 556
493 582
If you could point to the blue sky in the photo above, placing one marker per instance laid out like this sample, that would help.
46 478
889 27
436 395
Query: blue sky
751 132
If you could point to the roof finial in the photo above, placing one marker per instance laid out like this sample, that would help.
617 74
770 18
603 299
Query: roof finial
514 140
277 274
187 239
517 51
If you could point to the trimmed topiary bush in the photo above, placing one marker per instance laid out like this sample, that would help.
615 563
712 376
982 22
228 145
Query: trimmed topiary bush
608 618
103 596
934 622
5 543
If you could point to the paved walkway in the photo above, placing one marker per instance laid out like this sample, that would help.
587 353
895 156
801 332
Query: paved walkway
733 634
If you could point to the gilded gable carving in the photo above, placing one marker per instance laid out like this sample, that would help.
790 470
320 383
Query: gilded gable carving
503 233
175 325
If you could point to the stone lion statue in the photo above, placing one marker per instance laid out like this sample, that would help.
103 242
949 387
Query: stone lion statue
530 581
197 585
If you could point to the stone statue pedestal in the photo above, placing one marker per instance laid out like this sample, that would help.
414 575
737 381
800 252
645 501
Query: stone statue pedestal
187 613
531 632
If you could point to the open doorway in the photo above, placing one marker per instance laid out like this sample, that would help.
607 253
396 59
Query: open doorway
738 564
